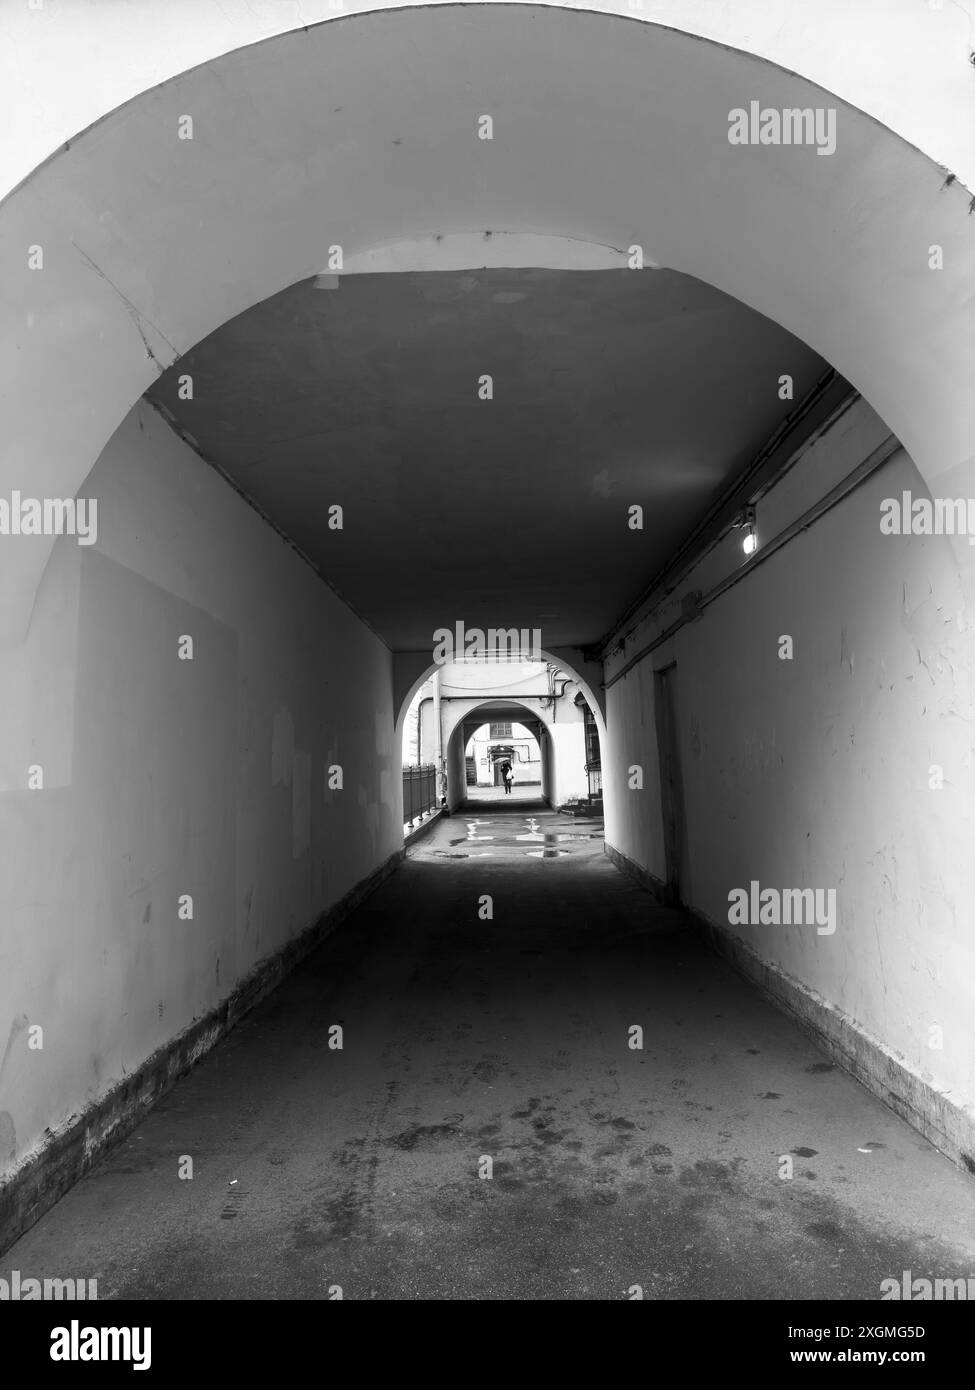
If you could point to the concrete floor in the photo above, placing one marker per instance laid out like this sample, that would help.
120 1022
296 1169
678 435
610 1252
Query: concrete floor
529 792
508 1039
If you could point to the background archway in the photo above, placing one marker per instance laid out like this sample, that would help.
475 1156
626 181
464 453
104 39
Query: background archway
508 709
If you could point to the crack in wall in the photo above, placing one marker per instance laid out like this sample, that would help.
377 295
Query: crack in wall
135 314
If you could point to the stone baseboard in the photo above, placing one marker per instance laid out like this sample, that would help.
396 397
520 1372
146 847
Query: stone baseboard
425 826
653 885
947 1125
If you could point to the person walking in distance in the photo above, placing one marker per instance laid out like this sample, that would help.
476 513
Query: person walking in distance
506 776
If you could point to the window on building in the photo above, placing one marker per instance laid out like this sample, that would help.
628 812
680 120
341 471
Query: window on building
593 758
594 770
500 731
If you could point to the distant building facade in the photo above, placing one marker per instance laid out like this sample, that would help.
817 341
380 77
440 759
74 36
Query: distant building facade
531 712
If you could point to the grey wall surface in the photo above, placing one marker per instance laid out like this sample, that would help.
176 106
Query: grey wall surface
820 771
165 777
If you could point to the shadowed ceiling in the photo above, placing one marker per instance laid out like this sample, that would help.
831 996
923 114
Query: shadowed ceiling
610 388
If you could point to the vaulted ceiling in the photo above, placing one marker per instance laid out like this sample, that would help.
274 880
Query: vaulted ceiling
609 388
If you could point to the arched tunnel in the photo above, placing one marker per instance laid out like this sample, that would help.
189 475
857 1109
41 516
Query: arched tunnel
477 318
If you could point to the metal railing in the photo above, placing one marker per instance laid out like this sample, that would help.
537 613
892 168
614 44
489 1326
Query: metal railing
419 792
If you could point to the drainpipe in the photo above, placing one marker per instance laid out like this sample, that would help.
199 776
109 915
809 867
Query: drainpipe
438 736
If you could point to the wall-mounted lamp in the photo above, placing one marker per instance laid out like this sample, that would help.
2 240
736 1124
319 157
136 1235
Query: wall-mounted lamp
745 521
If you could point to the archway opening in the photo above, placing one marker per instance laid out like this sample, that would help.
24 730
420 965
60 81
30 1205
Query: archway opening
580 418
464 719
502 757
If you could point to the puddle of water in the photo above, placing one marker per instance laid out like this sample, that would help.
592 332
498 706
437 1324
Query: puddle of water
546 841
550 837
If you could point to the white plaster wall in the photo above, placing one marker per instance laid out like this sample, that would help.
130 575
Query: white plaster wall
569 778
165 777
65 63
815 772
634 822
456 780
493 679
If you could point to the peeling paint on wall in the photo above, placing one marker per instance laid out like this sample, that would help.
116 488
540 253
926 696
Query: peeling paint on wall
282 748
18 1026
8 1137
301 804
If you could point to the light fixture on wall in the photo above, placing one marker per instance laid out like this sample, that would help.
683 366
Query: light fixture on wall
745 521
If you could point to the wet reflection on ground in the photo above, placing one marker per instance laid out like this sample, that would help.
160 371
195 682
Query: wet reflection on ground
523 834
